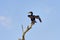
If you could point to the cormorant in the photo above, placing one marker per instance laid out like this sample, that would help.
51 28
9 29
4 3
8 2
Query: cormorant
33 17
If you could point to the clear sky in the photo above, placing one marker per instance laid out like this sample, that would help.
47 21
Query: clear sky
13 14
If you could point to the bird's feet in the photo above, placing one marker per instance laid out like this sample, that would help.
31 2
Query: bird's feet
33 22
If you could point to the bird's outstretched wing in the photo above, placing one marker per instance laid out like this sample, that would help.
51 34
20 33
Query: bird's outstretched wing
29 16
37 17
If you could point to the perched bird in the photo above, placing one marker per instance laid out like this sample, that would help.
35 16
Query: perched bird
33 17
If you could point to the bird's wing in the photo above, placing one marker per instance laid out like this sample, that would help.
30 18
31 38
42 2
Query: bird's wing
37 17
29 16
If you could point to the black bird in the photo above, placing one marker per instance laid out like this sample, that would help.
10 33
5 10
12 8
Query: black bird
33 17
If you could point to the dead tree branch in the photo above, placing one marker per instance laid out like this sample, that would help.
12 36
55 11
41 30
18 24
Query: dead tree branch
26 30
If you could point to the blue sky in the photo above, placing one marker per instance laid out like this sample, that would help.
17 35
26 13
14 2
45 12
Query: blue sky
13 14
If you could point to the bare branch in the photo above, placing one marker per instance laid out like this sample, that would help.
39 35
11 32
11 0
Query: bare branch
22 28
27 29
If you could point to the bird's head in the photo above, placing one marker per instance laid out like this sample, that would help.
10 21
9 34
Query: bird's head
31 13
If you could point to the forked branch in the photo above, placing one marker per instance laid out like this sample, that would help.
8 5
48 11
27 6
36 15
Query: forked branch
26 30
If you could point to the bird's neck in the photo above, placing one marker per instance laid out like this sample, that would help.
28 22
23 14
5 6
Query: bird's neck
31 13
